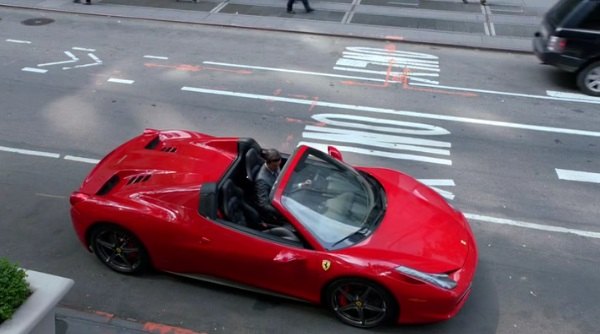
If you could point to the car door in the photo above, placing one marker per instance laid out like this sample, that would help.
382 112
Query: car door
257 259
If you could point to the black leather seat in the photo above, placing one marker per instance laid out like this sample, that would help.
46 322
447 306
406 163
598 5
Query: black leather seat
235 209
253 163
231 203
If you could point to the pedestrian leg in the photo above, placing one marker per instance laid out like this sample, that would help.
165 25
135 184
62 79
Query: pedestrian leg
307 6
290 7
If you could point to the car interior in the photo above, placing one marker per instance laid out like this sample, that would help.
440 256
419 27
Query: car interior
235 194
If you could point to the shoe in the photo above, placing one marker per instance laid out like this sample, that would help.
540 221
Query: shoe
483 2
465 1
310 10
76 1
291 12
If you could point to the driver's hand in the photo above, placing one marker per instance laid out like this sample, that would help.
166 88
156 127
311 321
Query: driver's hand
304 184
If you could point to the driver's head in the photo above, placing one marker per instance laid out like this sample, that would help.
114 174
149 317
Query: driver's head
272 158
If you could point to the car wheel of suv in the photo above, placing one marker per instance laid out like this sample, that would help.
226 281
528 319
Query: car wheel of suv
119 249
588 79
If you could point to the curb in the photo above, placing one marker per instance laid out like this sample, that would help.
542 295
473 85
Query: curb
73 321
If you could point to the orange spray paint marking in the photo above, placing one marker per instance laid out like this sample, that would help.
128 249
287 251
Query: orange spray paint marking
196 68
405 76
298 96
277 92
394 38
314 103
164 329
182 67
362 84
104 314
301 121
243 72
439 91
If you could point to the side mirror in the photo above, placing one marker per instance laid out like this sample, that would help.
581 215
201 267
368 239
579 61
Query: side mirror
335 153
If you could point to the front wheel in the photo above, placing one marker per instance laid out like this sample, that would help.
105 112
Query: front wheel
588 79
119 249
360 303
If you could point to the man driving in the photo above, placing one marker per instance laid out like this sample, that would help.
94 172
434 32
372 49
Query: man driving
264 182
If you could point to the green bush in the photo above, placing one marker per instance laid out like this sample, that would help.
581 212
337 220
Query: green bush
14 289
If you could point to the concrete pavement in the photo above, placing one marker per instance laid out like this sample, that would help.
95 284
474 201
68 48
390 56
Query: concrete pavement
502 25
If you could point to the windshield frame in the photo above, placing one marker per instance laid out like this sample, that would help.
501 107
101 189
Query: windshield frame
374 194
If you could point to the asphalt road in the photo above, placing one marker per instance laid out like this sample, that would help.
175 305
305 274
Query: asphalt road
492 131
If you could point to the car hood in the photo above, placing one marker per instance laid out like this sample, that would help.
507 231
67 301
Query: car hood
419 228
165 159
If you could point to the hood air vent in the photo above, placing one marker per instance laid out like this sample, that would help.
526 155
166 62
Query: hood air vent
138 179
108 186
169 149
153 143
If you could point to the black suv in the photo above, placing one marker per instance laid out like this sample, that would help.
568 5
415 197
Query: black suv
569 38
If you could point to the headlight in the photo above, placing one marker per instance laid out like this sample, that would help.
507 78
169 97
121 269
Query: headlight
439 280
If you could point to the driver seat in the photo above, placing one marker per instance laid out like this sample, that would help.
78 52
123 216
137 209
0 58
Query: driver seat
253 163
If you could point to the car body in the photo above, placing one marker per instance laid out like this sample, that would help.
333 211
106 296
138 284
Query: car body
372 244
569 38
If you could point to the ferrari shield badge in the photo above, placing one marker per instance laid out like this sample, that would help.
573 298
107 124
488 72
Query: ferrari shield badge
326 264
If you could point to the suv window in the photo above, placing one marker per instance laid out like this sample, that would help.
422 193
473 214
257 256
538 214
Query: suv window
592 20
561 10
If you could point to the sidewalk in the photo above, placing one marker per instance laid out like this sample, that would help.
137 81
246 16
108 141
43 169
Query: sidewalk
502 24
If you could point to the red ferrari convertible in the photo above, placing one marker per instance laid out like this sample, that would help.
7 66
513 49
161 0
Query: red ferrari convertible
372 244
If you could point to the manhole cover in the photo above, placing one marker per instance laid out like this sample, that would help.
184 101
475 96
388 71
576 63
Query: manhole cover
37 22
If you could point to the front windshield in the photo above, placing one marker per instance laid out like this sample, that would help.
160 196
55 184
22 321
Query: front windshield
330 199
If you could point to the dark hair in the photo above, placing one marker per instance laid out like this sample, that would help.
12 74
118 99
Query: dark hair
271 155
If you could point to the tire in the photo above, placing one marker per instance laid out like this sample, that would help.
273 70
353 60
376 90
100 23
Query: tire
360 303
119 249
588 79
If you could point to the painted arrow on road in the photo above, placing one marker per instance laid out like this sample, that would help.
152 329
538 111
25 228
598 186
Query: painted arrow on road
573 175
72 59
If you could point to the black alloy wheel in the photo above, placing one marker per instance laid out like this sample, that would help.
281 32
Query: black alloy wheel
119 249
360 303
588 80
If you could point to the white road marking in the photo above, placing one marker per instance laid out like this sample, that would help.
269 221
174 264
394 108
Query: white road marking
573 96
69 54
81 159
18 41
83 49
394 112
574 175
121 81
576 98
156 57
29 152
384 154
294 71
493 92
96 62
403 3
532 226
33 69
50 196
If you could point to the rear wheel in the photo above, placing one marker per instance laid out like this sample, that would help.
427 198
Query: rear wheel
119 249
588 79
360 303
